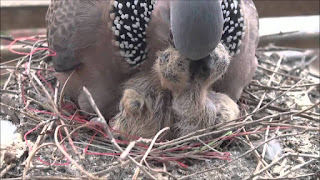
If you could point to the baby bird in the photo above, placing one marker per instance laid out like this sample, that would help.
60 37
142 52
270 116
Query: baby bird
176 93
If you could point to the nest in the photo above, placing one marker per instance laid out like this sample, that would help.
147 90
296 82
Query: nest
276 137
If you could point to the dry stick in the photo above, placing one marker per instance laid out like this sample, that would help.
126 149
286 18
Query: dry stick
110 135
279 159
67 155
34 86
46 92
69 138
136 173
255 122
55 101
63 88
126 152
287 178
34 148
21 112
51 101
222 126
300 112
257 107
280 38
303 85
73 131
250 94
282 88
272 65
261 161
265 146
20 89
268 84
50 178
239 125
242 155
62 122
277 108
22 68
9 91
114 165
302 64
33 153
272 47
7 169
11 74
30 58
56 138
209 147
283 74
54 107
10 61
8 38
296 114
306 128
29 71
257 155
296 168
266 105
264 150
162 171
153 142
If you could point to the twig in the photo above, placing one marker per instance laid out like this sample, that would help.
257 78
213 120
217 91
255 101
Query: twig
242 155
277 108
125 153
8 38
34 148
136 173
302 111
305 128
67 155
22 68
276 162
7 169
288 178
63 89
283 74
